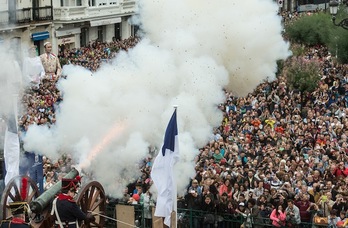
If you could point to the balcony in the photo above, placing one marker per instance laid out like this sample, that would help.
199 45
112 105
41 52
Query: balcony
127 7
20 16
26 15
42 13
4 17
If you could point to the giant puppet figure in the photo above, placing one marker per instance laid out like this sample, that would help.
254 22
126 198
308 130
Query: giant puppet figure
50 63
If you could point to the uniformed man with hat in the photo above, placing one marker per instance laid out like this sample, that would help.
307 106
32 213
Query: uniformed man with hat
50 63
67 212
18 210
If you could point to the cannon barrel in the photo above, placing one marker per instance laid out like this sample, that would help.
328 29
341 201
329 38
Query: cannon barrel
40 203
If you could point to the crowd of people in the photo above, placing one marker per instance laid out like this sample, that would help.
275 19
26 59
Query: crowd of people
42 96
95 53
279 157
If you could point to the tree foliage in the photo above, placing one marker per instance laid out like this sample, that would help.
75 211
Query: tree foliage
319 29
310 30
338 45
302 74
297 49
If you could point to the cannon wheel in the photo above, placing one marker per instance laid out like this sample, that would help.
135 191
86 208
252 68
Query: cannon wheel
12 191
91 198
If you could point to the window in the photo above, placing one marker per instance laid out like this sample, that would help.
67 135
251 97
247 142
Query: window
84 37
100 33
12 11
118 31
91 3
135 29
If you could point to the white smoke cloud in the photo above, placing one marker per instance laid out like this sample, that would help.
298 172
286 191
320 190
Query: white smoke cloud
191 52
10 79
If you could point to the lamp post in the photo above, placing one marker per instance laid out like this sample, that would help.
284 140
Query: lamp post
333 11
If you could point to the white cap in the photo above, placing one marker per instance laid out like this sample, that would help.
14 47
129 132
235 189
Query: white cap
46 43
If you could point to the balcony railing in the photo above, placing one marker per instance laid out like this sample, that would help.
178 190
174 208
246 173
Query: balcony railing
85 12
20 16
26 15
4 17
129 5
42 13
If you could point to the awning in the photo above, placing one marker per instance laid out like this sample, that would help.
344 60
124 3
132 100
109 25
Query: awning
40 36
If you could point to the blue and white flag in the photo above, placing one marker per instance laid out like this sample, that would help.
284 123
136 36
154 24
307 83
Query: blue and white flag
31 164
11 149
162 172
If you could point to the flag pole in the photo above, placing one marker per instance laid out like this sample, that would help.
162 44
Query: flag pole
162 173
175 193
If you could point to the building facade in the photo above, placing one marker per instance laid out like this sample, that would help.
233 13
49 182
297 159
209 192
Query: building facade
72 23
23 23
78 22
303 5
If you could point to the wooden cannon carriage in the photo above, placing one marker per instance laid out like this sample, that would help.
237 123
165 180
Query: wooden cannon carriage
90 198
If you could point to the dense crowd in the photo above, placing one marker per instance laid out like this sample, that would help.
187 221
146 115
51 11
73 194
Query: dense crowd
41 98
95 53
279 156
39 102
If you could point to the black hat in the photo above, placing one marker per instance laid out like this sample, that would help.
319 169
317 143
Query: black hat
18 207
70 184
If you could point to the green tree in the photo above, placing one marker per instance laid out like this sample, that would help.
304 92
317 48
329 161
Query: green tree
302 74
310 30
338 44
298 49
319 29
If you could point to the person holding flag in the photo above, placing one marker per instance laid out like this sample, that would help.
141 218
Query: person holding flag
162 173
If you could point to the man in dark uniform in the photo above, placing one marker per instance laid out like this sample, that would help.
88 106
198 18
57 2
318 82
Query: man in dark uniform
18 210
66 211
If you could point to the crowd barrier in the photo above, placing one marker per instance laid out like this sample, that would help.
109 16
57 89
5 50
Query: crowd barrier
133 215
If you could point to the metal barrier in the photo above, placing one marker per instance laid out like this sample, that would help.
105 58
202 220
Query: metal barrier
188 218
193 218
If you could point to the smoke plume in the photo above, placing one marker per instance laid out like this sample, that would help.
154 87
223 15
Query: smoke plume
190 52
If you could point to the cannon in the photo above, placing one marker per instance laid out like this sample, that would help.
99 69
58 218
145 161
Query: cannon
91 198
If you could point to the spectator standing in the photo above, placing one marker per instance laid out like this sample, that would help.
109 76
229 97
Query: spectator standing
292 214
303 205
194 196
343 217
278 217
254 214
333 219
226 187
325 202
148 204
208 207
340 204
